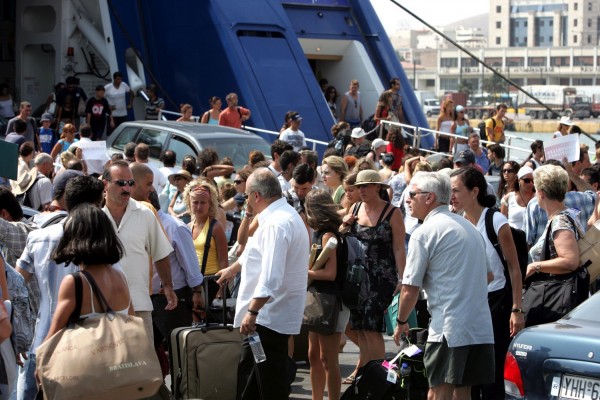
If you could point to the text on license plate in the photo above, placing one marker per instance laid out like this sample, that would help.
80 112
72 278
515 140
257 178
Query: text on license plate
575 387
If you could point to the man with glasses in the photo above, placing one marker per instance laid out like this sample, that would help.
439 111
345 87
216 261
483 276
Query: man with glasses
445 255
143 237
351 107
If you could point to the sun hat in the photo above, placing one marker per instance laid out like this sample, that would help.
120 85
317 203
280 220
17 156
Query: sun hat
565 121
369 176
524 171
357 133
378 143
24 181
182 173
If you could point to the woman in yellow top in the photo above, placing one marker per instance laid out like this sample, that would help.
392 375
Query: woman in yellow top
202 201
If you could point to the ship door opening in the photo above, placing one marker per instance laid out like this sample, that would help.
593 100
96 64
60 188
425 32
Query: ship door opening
340 61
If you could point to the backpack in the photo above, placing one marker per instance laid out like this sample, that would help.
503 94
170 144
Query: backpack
370 125
355 270
482 130
360 151
520 244
24 199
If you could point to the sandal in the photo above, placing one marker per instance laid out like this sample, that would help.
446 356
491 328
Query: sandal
349 380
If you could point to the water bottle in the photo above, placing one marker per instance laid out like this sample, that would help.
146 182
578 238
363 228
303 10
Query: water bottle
405 370
256 346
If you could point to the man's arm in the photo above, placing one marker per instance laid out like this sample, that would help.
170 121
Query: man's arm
343 106
408 298
163 268
249 322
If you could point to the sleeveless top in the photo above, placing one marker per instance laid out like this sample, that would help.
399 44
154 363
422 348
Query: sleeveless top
334 286
462 130
445 126
516 213
65 145
125 311
212 263
352 108
337 195
212 121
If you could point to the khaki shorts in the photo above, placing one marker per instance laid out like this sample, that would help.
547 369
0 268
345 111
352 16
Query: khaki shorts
461 366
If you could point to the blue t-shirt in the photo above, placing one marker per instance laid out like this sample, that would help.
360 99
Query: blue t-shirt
47 140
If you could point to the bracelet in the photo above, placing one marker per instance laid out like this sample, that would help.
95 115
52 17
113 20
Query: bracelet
517 310
252 312
538 267
401 322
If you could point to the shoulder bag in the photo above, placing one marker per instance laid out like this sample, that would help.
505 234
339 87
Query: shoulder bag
548 297
102 357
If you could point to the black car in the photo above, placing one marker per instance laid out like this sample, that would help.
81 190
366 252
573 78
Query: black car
187 138
560 360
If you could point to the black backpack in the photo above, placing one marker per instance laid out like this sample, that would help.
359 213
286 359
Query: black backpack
520 244
482 130
25 198
359 151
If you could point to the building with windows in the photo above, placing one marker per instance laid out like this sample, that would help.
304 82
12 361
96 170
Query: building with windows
532 42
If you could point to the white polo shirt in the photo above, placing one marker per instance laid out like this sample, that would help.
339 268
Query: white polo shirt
143 240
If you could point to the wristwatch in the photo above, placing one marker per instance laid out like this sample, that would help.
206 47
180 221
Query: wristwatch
401 322
517 310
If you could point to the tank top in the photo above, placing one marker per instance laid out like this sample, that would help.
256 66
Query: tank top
124 311
212 263
461 130
212 121
337 195
352 108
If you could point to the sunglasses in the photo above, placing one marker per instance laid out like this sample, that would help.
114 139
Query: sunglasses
355 104
238 182
123 182
508 171
412 195
527 180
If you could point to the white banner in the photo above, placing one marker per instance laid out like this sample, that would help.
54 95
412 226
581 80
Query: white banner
564 146
93 150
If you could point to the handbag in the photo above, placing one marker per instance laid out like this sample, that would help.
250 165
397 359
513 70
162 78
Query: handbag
549 297
589 250
321 311
102 357
390 316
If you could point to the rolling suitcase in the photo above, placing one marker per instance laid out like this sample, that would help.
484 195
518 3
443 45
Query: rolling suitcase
204 359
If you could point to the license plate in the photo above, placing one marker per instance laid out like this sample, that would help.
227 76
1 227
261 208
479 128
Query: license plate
575 387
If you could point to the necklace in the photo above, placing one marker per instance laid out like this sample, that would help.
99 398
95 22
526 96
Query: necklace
555 213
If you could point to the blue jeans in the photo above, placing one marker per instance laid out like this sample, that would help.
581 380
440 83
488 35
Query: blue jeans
26 385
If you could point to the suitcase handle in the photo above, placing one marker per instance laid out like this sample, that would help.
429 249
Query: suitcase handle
204 326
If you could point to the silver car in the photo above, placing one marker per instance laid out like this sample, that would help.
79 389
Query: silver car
186 138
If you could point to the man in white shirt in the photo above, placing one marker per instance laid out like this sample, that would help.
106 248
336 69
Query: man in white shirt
143 239
116 94
293 135
141 154
272 289
445 255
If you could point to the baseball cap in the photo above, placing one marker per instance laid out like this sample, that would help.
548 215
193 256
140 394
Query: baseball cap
60 182
459 108
47 117
357 133
465 157
524 171
378 143
565 121
296 117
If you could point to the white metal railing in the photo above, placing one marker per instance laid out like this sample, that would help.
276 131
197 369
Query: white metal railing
313 142
161 117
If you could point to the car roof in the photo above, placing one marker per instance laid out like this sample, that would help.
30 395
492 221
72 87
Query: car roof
191 128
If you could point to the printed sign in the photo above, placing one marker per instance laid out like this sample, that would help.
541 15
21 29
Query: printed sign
564 146
93 150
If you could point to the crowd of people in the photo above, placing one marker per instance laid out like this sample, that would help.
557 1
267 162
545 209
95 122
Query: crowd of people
421 225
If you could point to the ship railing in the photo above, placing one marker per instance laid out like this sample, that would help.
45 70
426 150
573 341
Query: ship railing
313 142
419 132
162 115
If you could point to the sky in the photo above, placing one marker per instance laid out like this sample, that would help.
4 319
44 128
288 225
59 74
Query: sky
435 12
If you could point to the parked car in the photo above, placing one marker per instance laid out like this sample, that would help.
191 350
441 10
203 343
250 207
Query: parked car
187 138
560 360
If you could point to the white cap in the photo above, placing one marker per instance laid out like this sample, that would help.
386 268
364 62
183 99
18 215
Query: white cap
357 133
524 171
378 143
565 121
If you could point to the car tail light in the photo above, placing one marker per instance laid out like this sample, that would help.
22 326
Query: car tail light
513 383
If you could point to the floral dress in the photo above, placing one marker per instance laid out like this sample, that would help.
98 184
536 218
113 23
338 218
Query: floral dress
381 275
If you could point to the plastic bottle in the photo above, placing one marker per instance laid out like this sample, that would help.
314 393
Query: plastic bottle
256 346
405 370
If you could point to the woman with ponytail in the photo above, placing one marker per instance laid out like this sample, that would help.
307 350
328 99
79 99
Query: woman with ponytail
536 158
469 195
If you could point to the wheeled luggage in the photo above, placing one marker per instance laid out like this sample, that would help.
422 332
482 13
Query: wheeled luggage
204 359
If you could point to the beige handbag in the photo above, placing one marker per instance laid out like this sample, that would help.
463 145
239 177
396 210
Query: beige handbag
104 357
589 250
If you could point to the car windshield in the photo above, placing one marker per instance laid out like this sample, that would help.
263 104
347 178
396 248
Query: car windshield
238 149
588 310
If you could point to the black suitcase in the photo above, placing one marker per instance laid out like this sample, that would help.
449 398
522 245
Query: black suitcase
204 359
411 382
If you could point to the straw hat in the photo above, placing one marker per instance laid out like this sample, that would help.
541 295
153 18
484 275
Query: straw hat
24 181
182 173
369 176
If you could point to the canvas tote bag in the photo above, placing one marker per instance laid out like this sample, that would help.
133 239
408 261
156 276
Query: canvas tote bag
105 357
